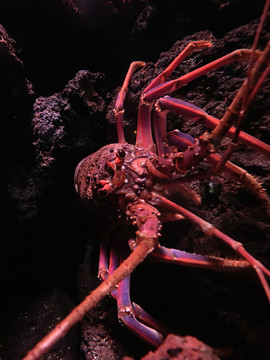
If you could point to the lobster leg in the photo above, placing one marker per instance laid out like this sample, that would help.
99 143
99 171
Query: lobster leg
144 137
180 140
144 134
239 106
144 248
126 315
142 322
239 174
184 258
170 86
103 266
210 230
130 313
189 49
146 102
196 114
105 269
119 105
160 129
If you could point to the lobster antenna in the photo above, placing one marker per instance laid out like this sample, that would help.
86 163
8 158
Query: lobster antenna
257 36
251 88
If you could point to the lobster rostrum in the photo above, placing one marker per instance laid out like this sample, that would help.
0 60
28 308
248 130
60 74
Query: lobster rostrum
137 181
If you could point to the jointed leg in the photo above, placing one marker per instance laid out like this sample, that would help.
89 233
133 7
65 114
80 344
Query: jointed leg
180 140
144 139
189 49
160 129
140 322
119 105
127 316
180 257
170 86
131 314
103 265
144 134
210 230
185 144
244 96
241 175
196 114
144 248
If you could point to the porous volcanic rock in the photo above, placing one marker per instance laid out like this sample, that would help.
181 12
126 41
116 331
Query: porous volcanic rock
178 348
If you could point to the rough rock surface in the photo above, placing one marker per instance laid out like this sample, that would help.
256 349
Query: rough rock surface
65 120
178 348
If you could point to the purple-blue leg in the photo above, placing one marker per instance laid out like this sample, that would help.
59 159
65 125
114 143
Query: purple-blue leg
127 316
107 267
196 114
103 265
142 316
188 158
180 257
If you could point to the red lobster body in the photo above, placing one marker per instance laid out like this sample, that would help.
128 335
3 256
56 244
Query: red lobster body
118 174
135 181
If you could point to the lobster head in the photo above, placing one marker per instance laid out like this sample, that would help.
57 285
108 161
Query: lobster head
104 172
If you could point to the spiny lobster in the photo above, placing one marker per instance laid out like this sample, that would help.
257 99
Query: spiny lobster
133 179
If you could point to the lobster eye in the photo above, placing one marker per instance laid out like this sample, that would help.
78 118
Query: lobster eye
121 154
102 193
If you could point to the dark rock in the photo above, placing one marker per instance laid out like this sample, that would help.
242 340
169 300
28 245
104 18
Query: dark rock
40 161
144 20
100 331
62 126
181 348
65 121
16 98
37 318
16 91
